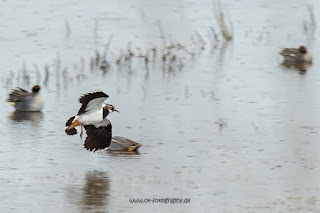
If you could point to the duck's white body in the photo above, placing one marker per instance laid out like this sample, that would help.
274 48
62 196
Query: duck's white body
36 104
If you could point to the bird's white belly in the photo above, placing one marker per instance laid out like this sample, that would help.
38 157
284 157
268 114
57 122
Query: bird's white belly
37 103
91 117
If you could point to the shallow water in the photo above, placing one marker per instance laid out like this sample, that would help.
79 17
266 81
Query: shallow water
233 131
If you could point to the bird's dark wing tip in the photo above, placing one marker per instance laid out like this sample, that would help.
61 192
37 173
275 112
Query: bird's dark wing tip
71 131
89 96
98 137
69 122
85 99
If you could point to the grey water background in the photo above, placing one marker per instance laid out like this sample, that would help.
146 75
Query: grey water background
234 130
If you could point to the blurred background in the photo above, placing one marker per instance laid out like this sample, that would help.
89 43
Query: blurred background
200 84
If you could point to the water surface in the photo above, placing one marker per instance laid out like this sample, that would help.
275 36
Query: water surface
233 130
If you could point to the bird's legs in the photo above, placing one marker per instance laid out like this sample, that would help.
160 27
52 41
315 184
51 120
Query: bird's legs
81 133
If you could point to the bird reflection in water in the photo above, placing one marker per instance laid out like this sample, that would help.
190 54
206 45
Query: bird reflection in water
95 190
23 116
301 67
93 195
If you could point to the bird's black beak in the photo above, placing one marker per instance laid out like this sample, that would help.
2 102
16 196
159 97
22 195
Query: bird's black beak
116 110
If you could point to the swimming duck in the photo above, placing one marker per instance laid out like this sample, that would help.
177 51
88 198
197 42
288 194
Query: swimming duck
298 55
23 100
91 112
123 144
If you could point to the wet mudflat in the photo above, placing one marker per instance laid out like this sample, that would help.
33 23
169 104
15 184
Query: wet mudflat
231 129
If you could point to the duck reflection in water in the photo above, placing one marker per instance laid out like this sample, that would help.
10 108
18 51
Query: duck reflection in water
93 195
301 67
25 116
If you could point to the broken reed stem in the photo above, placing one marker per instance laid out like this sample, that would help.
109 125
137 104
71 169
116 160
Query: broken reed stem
68 28
105 52
95 33
58 67
312 17
26 77
82 67
38 74
221 21
46 78
162 36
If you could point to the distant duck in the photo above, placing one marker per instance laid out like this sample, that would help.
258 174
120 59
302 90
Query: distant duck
92 116
123 144
296 55
23 100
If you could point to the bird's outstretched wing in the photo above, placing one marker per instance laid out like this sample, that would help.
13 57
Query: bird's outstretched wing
92 101
98 135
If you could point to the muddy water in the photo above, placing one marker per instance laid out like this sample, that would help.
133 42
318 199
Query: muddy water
233 130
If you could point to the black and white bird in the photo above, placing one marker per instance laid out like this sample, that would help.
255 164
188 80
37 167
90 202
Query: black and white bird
23 100
92 116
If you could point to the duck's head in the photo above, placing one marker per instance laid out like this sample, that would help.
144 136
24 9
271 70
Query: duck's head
303 49
110 108
36 89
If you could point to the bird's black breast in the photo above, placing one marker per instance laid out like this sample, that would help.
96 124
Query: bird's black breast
105 112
